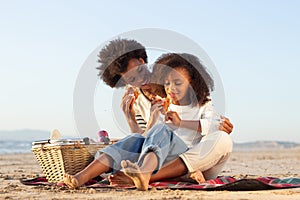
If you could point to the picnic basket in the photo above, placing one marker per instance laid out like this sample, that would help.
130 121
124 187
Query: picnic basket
64 156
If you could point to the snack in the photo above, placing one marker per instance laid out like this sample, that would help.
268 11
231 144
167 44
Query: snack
136 94
167 102
132 91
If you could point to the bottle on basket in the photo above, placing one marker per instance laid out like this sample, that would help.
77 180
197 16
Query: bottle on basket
55 135
103 137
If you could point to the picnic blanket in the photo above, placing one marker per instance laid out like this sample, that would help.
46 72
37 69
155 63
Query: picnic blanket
220 183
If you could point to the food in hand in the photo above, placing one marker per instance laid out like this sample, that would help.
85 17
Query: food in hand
136 94
166 105
132 91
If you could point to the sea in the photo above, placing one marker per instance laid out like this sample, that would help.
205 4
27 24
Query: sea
11 147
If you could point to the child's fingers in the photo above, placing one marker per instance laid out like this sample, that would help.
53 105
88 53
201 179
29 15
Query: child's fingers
156 101
225 127
156 107
170 112
167 116
227 122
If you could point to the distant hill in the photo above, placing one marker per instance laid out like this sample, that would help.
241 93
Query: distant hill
263 145
24 135
33 135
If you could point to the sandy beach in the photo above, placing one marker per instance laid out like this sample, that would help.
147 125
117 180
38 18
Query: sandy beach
274 162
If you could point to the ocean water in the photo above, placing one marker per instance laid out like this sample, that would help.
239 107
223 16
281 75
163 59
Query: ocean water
10 147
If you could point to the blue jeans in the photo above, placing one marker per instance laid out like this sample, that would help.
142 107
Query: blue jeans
160 140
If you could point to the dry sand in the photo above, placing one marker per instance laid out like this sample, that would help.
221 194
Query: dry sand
277 163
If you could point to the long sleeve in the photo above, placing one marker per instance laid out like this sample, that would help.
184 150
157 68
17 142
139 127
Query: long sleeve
209 119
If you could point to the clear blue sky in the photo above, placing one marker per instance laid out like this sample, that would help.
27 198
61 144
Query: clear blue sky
254 45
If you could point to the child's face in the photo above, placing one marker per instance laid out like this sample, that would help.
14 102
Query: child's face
177 84
137 74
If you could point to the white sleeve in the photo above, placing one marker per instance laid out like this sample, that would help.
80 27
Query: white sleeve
209 119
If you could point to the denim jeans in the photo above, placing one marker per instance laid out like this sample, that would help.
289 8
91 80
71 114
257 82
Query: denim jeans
160 139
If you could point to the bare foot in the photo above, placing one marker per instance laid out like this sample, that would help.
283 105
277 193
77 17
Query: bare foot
198 176
120 179
71 181
132 170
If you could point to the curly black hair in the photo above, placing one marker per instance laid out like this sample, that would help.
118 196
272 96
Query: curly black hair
114 59
200 80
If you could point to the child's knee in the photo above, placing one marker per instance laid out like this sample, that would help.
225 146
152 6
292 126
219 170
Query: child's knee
224 141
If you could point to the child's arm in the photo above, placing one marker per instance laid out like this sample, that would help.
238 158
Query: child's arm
176 121
210 121
155 111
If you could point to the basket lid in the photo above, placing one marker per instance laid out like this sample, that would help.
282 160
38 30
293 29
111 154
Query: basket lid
63 142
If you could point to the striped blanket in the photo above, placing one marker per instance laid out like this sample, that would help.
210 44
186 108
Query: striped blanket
220 183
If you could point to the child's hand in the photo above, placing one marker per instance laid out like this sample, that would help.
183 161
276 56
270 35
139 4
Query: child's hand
165 102
173 117
156 108
225 125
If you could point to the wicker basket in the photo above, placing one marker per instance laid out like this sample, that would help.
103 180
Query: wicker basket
57 159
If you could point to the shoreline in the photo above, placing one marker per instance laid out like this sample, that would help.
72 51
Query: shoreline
279 163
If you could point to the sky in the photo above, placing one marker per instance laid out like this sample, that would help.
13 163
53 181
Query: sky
254 45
